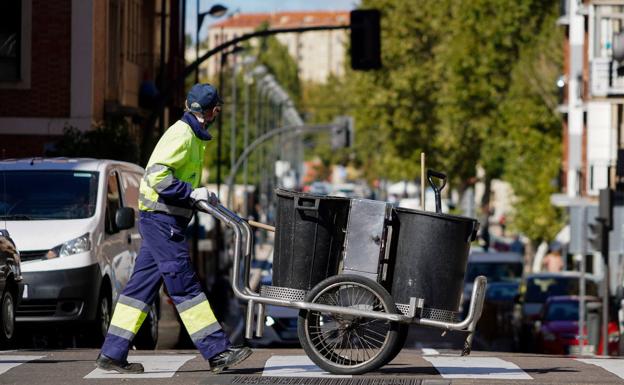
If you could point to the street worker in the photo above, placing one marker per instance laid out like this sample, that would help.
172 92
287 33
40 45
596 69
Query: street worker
169 192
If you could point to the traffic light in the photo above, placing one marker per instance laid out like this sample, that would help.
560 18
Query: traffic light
594 235
605 208
342 132
365 39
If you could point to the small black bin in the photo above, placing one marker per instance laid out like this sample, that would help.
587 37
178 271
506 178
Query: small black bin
309 237
429 253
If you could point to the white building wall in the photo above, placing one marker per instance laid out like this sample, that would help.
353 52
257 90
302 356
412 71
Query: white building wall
601 144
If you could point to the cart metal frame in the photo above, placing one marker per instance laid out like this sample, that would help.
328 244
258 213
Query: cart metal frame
256 301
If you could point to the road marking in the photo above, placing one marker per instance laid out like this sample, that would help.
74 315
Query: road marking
155 367
477 367
8 362
294 366
613 365
430 352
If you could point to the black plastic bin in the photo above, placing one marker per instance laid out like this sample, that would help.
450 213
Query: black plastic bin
428 255
309 237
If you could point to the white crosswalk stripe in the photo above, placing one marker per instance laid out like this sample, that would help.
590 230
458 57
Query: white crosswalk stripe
477 368
156 366
8 362
613 365
294 366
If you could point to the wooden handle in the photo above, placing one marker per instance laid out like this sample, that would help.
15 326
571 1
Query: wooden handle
261 225
423 182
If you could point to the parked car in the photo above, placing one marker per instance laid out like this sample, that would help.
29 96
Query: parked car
534 291
10 287
74 223
557 331
281 322
503 271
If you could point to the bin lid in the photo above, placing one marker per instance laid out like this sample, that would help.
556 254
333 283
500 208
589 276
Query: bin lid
291 194
448 217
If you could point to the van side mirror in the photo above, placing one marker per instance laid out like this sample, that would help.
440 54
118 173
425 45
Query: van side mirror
124 218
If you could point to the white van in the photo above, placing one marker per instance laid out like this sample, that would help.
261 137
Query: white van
74 222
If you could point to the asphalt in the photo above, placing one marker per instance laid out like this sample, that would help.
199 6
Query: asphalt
291 366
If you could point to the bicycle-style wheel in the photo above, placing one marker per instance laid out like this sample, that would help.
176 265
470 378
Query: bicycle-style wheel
345 344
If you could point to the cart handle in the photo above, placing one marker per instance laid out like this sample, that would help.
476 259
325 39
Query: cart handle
298 206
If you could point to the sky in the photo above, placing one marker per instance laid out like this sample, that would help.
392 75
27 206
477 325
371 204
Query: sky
254 6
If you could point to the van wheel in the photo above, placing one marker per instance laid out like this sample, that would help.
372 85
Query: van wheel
147 337
102 320
7 316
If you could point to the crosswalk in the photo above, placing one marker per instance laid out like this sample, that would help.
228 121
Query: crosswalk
479 366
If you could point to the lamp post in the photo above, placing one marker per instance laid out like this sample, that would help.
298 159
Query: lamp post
224 56
216 10
247 60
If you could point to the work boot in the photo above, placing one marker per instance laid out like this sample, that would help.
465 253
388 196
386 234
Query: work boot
124 367
228 358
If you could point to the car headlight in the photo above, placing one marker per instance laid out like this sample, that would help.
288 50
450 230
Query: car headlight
74 246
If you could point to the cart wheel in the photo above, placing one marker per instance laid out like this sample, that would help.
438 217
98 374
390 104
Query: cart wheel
402 331
344 344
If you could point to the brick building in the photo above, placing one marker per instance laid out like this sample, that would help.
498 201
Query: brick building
78 62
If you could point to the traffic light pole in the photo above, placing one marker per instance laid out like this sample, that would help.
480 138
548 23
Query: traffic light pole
605 220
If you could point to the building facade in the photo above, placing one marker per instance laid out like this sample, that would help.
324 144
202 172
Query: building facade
318 54
593 95
78 62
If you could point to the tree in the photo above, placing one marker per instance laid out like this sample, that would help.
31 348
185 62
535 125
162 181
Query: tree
533 132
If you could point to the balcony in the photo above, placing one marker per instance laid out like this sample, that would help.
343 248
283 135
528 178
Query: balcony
604 78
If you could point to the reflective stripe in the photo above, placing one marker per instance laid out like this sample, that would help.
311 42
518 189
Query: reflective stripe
163 184
191 302
205 332
198 316
158 206
156 167
123 333
128 318
133 302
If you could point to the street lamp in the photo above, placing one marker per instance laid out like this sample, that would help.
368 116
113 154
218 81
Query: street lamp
216 10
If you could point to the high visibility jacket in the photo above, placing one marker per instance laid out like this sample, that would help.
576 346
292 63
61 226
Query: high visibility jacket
173 171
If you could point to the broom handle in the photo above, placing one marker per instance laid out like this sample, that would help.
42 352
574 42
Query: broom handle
262 225
423 182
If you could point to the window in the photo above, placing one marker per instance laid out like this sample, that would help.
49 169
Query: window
10 39
47 194
130 183
113 203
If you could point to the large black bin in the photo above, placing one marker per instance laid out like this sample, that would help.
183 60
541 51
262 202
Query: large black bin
428 254
309 237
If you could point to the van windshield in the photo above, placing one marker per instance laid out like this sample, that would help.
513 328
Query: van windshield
40 195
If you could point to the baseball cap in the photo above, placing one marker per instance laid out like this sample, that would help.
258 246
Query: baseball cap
202 97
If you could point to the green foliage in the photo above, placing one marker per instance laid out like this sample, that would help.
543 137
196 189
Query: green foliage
109 140
262 116
274 55
533 133
470 83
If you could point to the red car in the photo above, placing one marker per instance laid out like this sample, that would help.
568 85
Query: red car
558 328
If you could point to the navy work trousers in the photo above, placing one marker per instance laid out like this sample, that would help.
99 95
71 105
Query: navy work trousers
163 256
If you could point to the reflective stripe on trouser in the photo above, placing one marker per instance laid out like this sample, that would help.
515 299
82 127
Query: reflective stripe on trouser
128 316
163 256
